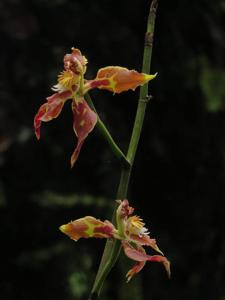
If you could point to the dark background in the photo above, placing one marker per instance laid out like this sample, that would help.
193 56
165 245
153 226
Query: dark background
177 184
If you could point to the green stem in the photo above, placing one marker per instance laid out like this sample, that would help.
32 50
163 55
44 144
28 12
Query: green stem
106 134
112 248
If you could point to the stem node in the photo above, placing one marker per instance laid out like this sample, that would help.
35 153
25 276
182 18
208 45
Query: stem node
146 99
148 39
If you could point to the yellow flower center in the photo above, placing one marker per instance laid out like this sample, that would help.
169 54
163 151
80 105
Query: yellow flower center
68 80
136 226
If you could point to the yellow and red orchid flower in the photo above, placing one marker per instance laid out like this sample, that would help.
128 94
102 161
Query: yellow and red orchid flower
72 85
130 231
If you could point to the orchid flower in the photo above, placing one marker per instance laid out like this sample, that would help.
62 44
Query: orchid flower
130 230
72 85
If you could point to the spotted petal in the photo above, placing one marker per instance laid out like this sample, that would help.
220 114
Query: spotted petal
50 110
88 227
83 123
118 79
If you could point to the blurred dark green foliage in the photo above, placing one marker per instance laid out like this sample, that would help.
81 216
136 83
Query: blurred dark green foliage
178 178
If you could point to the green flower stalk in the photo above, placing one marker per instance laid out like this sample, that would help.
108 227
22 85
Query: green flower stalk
112 248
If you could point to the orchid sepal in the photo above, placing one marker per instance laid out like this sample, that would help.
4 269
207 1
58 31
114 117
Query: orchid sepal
50 110
139 255
88 227
84 121
118 79
139 265
145 240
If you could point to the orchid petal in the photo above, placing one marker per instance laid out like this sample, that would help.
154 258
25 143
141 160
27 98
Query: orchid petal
139 264
135 269
88 227
50 110
124 209
140 256
118 79
145 240
83 123
163 260
75 62
133 253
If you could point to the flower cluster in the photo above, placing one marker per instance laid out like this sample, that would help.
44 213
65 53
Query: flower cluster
130 230
72 85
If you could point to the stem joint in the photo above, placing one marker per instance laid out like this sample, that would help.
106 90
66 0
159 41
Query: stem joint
148 39
146 99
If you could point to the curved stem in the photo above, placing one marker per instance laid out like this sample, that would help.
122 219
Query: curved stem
112 248
106 134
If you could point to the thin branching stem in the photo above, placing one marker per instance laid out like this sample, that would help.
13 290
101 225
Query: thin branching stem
107 136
